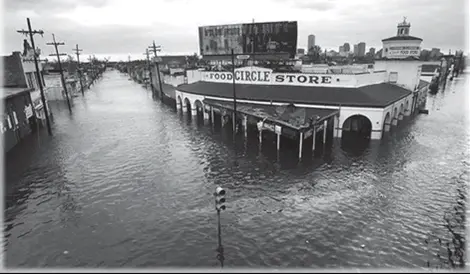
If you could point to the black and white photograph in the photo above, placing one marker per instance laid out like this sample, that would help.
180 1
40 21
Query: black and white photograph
235 136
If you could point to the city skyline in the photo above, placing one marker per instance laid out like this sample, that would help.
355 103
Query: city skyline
76 21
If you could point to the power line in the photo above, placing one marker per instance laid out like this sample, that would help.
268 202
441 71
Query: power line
64 84
31 33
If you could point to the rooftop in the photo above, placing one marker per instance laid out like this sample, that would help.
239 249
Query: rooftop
7 92
294 117
377 95
401 38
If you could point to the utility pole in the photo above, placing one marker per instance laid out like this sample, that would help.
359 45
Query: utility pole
234 121
155 48
77 52
92 70
64 84
150 69
38 73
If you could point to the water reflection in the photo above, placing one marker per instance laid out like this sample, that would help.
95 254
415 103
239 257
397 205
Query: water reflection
128 182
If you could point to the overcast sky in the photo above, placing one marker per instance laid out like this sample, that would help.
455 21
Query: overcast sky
119 28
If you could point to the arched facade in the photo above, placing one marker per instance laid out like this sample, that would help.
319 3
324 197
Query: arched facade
387 122
187 105
395 116
358 125
179 102
407 110
199 107
401 112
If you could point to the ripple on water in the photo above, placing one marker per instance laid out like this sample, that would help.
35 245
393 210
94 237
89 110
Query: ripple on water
127 182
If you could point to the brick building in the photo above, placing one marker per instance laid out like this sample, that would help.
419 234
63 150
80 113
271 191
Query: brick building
23 109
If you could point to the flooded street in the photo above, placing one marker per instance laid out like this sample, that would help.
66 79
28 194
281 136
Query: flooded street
126 181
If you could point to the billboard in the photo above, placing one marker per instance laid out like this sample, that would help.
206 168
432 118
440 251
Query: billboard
252 38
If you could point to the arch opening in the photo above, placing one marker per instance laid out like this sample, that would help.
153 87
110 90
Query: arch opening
357 126
179 102
199 109
386 123
187 105
395 117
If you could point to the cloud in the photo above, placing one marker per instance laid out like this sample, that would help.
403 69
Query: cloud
49 5
122 26
317 5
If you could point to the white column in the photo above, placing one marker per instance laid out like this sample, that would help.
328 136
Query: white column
314 135
301 141
222 119
212 117
206 117
400 116
394 121
335 126
178 104
245 125
325 124
185 108
260 130
278 142
193 111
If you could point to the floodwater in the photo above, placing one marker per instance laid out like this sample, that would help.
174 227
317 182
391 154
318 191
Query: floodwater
127 182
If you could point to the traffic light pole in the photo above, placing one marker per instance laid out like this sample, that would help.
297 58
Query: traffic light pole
220 248
219 205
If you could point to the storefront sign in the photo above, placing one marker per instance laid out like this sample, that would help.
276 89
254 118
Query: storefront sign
301 78
28 111
263 76
241 75
403 52
278 129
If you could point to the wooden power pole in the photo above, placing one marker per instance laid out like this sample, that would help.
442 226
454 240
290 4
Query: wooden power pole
38 72
155 48
77 52
150 70
64 84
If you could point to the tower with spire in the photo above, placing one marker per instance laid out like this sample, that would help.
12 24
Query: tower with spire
402 45
403 28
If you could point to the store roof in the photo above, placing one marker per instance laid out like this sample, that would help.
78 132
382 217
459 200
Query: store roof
377 95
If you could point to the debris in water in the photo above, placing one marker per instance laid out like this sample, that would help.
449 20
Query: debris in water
66 252
339 212
363 246
306 241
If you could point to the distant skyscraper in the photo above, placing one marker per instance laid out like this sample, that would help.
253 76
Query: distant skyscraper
341 49
311 41
356 50
372 51
361 49
346 47
435 52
